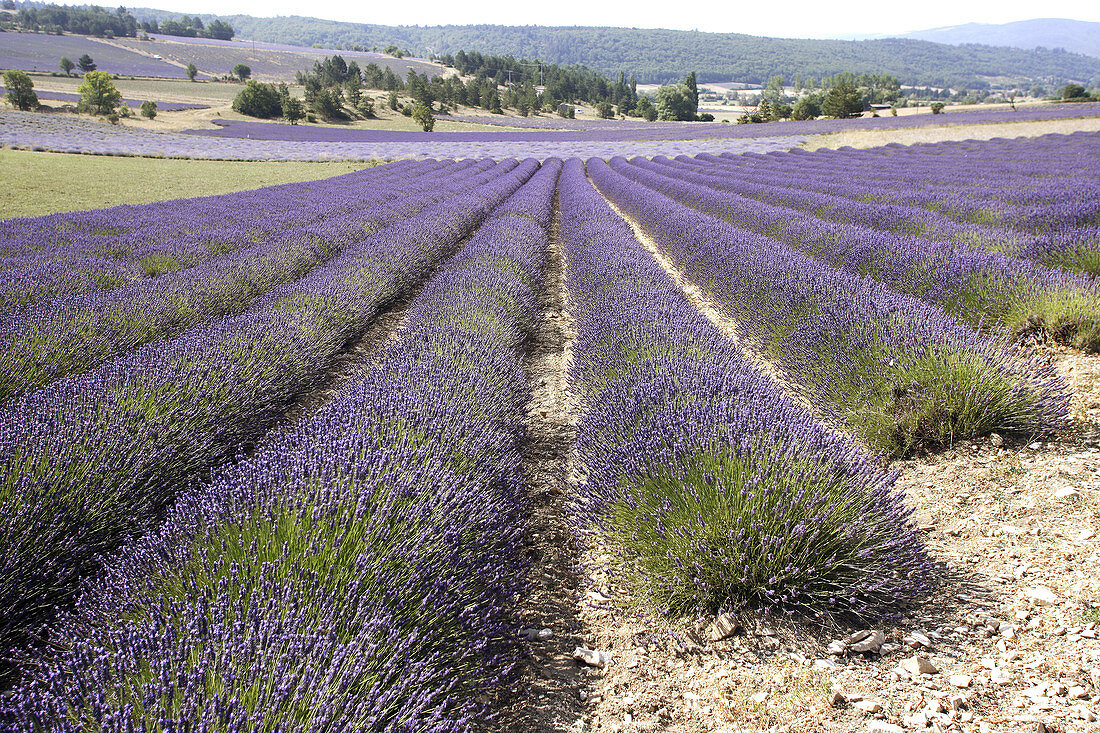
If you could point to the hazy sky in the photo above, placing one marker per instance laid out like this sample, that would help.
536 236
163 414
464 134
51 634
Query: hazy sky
793 19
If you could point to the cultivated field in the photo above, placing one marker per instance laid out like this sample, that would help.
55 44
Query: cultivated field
645 443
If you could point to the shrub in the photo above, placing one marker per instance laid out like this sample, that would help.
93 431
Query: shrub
604 110
242 72
148 109
1073 91
366 107
98 94
258 100
192 71
567 111
20 90
937 107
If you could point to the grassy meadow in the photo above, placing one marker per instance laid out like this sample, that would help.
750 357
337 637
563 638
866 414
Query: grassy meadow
48 183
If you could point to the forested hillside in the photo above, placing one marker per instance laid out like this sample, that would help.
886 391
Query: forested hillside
664 55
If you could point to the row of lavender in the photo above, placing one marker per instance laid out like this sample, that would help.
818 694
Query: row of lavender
958 178
91 459
986 289
1038 201
720 491
658 131
104 248
72 332
885 366
67 134
362 565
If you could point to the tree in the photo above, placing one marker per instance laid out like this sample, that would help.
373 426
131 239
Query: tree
293 111
937 108
842 101
1073 91
326 103
258 100
807 108
604 110
692 93
674 103
98 94
645 109
192 71
242 71
85 63
67 66
148 109
423 116
20 90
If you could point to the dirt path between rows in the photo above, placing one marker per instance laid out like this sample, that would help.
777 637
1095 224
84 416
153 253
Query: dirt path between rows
714 313
548 695
359 353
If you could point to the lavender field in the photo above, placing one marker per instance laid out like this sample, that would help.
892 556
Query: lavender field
266 459
32 131
543 130
41 52
51 96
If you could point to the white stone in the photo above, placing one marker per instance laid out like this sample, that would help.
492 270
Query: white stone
868 706
592 657
866 641
1042 595
724 626
959 680
918 665
1066 492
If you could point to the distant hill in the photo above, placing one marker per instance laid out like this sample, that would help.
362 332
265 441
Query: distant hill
1077 36
662 55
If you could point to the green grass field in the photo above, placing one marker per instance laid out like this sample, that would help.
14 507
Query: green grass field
47 183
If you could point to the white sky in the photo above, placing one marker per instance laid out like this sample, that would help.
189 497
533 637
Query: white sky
793 18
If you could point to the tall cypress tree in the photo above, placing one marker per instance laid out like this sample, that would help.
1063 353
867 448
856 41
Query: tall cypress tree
693 93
